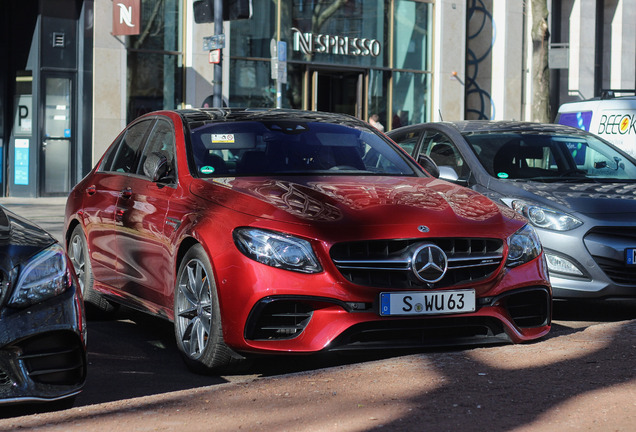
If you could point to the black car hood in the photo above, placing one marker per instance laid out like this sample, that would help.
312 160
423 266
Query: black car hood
587 198
19 239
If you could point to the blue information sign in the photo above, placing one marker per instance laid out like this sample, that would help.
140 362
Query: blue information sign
21 162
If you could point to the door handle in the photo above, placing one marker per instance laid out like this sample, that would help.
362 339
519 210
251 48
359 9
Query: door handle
91 190
126 193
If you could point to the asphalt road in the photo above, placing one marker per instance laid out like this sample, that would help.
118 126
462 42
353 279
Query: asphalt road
134 355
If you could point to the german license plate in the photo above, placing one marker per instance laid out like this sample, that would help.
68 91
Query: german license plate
427 303
630 256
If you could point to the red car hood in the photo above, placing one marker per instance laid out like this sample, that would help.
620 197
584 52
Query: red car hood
363 202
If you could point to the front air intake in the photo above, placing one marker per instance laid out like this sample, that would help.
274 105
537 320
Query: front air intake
529 308
54 358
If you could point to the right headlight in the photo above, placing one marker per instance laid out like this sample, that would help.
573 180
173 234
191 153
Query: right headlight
277 250
543 217
523 246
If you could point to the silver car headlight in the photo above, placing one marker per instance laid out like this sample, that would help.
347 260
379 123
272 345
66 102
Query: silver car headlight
44 276
543 217
523 246
277 250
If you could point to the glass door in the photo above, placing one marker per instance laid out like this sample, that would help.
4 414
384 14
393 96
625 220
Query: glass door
57 137
338 92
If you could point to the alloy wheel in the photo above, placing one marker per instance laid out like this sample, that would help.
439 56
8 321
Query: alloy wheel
194 308
77 256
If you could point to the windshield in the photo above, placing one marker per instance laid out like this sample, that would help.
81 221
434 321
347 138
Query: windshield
550 157
291 147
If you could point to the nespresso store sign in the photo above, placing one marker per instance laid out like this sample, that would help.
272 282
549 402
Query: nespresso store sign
310 43
126 17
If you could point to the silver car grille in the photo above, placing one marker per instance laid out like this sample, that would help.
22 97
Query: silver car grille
612 262
387 263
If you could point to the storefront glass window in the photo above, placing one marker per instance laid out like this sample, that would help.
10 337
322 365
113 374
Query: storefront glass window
411 98
155 59
377 97
413 35
250 84
252 37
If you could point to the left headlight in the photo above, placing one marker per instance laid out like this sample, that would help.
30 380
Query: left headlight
42 277
523 246
543 217
277 250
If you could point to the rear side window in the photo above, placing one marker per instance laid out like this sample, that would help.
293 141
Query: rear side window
124 155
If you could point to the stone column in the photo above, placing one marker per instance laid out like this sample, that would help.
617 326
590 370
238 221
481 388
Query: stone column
507 60
582 49
449 60
622 46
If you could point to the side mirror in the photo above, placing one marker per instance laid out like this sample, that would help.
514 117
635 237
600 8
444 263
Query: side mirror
156 166
447 173
429 165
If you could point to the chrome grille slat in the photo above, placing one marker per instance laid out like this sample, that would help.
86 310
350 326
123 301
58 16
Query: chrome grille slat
387 263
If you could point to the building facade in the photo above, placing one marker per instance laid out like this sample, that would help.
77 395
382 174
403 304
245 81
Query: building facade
75 72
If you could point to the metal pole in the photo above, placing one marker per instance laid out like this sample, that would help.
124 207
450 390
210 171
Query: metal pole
217 99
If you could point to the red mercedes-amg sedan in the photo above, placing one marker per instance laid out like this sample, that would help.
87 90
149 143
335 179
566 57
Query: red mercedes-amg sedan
282 231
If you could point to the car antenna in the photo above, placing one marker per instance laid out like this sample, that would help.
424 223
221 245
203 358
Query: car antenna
440 116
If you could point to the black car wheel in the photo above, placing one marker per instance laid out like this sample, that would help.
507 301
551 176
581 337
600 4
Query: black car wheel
78 253
197 320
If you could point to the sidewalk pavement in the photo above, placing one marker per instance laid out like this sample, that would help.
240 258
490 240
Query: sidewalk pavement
48 213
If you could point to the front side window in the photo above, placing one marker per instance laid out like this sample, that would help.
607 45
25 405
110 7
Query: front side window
444 153
292 148
161 142
407 140
122 157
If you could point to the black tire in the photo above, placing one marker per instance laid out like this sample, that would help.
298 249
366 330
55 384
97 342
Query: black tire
197 316
77 250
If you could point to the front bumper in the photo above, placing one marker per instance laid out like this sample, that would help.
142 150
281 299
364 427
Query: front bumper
600 256
304 323
43 351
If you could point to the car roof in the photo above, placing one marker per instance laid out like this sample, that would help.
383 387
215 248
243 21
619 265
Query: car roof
478 126
200 116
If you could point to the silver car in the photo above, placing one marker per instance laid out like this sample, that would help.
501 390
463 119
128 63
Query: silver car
577 190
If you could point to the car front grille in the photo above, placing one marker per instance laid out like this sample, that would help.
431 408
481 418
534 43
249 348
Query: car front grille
418 333
54 358
387 263
615 269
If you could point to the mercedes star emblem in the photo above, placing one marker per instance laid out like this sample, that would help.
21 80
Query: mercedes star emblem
429 263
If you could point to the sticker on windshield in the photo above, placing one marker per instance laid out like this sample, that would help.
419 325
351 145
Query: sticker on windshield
502 175
207 170
222 138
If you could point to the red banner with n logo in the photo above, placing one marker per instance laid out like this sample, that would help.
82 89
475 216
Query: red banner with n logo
126 17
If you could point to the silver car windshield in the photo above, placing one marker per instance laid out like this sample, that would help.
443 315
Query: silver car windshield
550 157
254 148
